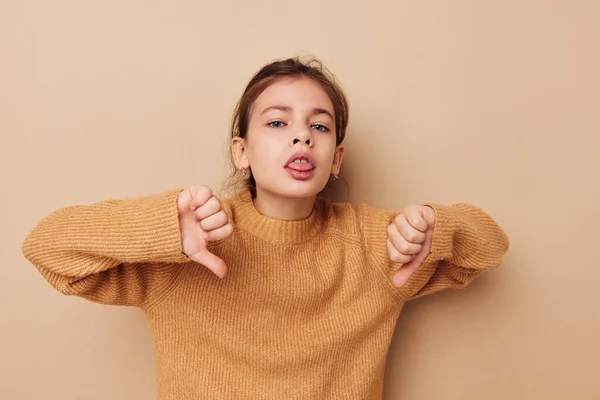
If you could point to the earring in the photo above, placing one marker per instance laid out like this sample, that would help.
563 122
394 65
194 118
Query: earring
334 176
244 172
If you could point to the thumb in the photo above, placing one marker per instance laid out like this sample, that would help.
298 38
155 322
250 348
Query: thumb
403 274
210 261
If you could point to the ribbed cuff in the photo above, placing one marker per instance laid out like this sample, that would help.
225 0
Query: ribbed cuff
443 233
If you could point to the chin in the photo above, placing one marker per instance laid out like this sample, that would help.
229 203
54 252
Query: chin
299 192
297 189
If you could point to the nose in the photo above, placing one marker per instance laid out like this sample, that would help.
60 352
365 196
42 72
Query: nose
302 136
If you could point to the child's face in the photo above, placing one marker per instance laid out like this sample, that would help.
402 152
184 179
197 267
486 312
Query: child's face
292 118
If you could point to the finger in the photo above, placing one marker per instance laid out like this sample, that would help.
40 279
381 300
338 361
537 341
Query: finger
404 273
184 199
210 207
429 215
210 261
414 216
396 256
401 244
220 233
199 196
408 232
420 258
214 221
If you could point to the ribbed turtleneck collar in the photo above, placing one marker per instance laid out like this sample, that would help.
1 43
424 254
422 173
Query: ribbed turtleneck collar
248 218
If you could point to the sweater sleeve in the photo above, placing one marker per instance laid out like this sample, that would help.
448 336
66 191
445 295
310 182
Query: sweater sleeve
466 241
119 252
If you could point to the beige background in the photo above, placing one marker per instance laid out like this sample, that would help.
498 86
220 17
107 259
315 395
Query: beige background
495 103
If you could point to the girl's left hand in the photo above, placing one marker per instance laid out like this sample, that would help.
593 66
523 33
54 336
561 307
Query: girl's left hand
409 240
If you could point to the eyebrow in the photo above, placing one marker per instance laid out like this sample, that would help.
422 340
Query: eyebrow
315 111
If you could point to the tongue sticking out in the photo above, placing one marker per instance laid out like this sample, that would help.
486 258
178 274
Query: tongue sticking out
300 166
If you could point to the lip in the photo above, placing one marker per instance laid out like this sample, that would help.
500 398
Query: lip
302 156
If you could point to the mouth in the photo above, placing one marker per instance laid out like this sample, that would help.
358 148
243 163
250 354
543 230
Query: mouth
300 166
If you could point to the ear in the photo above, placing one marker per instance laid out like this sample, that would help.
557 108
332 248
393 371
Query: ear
338 157
238 151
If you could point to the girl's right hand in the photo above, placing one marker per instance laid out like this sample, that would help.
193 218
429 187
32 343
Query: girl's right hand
201 220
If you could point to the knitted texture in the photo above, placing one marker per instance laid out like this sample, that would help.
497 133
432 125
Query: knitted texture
306 311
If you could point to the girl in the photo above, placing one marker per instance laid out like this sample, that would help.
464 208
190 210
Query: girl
275 292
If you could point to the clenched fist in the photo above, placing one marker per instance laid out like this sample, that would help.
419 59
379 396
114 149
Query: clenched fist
409 240
201 220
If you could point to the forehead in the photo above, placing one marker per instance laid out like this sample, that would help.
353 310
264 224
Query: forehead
294 92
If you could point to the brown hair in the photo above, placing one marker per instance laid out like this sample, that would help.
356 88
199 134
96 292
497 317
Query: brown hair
268 75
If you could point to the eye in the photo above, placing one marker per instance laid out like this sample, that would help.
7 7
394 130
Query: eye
276 124
320 128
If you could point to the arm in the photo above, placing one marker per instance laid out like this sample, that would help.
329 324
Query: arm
464 242
120 252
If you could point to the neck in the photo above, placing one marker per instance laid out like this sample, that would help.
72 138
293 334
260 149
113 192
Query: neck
283 208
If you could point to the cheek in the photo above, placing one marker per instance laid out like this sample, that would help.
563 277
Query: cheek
327 151
261 153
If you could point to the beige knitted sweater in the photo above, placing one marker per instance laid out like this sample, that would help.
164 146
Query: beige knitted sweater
307 310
